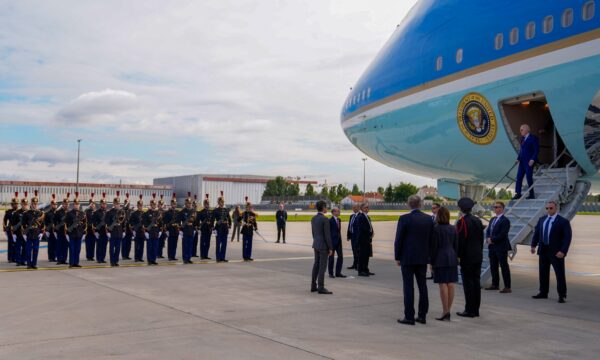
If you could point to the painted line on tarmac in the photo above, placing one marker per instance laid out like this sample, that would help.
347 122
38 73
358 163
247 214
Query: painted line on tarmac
201 262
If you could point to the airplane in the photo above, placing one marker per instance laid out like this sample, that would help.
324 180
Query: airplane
446 95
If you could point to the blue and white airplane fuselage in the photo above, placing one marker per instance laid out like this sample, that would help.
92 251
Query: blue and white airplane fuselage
446 95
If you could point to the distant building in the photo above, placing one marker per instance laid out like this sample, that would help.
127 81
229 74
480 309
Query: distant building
371 198
235 187
427 191
46 189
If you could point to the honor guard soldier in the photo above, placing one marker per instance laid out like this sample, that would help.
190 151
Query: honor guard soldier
50 232
196 235
222 222
126 245
205 218
99 219
76 226
187 217
152 223
115 220
62 244
281 217
162 237
172 224
7 227
249 226
137 227
90 231
17 232
33 223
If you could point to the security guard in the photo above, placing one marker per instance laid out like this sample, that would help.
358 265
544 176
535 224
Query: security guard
62 243
90 231
7 227
188 220
99 220
152 224
50 232
33 223
172 225
222 221
248 227
115 224
76 226
126 245
162 235
18 232
196 230
137 228
205 219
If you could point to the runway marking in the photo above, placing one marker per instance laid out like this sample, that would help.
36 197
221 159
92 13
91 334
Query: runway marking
201 262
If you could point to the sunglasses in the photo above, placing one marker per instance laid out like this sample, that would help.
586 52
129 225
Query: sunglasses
549 208
497 207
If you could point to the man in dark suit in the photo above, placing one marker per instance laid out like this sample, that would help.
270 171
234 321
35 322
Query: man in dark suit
281 217
322 246
498 248
351 236
552 237
364 240
528 156
414 235
470 253
335 225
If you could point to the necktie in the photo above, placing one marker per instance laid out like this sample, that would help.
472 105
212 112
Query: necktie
352 223
494 224
338 222
546 235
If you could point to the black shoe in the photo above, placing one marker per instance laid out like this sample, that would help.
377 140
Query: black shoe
139 260
341 276
249 259
516 197
530 197
76 266
29 267
284 241
172 259
224 260
561 300
127 258
325 291
465 314
313 289
19 264
406 321
540 296
492 288
351 268
102 262
152 263
371 274
277 242
421 320
363 274
90 259
160 257
331 276
194 255
445 317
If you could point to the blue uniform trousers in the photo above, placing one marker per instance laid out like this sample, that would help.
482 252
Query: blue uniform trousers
51 239
161 245
247 246
524 171
204 243
138 252
31 251
10 251
126 245
74 250
62 247
101 246
152 249
186 247
195 245
90 245
115 249
172 241
221 244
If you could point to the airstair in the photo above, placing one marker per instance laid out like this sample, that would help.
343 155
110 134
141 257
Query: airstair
561 184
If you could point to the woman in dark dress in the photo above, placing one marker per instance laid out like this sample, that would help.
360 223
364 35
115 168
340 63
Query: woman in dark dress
444 260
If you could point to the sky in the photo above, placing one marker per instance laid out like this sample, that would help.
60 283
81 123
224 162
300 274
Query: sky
162 88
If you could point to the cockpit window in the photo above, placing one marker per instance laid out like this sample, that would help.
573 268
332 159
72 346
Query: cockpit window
567 18
548 24
589 10
530 31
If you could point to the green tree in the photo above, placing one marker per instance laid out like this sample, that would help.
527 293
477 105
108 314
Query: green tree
342 191
403 191
380 190
310 190
504 194
293 189
281 187
356 190
388 194
325 191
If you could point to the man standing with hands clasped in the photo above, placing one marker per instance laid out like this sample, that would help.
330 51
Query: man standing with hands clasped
552 237
322 246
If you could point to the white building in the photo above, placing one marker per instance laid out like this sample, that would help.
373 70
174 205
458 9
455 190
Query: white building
46 189
235 187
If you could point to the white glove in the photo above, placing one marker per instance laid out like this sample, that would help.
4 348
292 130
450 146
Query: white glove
40 236
195 233
167 232
25 237
134 234
159 233
55 235
181 233
68 238
47 234
97 234
14 238
147 236
83 238
108 235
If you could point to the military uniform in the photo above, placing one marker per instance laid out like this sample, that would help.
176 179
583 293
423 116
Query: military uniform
137 227
115 220
248 227
7 228
126 245
196 235
18 239
76 226
205 219
50 230
172 224
33 225
90 231
62 244
188 219
222 223
99 220
162 235
152 222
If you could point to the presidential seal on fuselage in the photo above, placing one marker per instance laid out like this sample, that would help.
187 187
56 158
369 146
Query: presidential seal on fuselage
476 119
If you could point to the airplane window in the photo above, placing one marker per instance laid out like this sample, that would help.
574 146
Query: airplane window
514 36
439 63
368 93
589 10
567 18
459 56
499 42
364 93
548 24
530 31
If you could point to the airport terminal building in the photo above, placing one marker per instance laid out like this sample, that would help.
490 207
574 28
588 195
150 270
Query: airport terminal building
46 189
235 187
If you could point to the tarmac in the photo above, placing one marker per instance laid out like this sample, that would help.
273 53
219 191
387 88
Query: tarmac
265 310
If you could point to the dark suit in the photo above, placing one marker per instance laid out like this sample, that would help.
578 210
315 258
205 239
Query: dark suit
470 252
335 226
321 245
558 239
351 236
412 246
364 239
530 148
497 232
281 216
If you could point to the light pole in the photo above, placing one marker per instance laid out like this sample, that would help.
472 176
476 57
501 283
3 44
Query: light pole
78 150
364 177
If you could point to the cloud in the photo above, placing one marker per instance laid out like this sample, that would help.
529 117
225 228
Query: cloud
97 107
